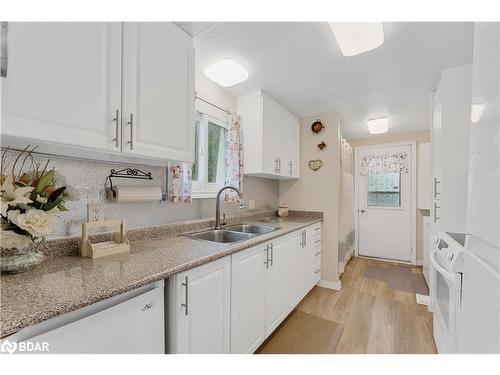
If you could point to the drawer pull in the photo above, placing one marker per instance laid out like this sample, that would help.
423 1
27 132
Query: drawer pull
318 228
316 271
185 304
317 253
317 241
147 306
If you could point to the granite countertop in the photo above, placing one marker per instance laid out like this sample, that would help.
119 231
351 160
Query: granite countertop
65 283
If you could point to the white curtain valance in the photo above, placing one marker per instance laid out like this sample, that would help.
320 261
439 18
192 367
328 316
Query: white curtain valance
384 163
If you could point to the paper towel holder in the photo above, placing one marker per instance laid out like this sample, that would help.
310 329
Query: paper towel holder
131 173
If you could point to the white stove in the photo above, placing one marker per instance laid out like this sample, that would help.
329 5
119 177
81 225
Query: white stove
446 259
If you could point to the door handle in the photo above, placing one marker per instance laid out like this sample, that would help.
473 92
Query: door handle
362 211
185 304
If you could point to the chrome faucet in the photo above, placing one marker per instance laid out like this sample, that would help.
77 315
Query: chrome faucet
217 204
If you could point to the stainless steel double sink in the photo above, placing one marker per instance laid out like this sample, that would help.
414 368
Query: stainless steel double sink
233 233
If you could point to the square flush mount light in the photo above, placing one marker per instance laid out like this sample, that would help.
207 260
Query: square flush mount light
476 112
354 38
378 125
226 73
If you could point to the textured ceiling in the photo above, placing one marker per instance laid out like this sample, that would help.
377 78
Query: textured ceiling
300 65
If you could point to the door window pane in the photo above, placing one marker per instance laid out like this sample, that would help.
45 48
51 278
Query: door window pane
216 148
384 190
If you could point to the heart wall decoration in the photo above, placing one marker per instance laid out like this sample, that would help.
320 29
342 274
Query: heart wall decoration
315 164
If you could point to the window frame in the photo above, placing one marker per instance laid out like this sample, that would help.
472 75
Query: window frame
201 188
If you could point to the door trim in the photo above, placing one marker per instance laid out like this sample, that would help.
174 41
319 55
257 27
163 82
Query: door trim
413 194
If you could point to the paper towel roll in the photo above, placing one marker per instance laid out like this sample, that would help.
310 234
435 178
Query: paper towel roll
131 193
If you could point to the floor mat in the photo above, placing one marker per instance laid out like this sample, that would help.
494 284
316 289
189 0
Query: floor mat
303 333
399 277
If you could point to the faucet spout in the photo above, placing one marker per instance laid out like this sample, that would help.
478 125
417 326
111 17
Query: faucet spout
217 203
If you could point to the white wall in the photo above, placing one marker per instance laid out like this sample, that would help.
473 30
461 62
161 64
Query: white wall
319 191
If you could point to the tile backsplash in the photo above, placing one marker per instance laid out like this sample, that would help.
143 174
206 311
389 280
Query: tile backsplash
89 178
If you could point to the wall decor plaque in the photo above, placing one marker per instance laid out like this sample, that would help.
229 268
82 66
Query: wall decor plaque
315 164
317 126
321 145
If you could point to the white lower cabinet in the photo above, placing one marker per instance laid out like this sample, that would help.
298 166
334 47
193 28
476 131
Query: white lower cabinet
199 309
248 293
130 323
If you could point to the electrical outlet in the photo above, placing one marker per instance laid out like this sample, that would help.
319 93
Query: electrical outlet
95 211
251 204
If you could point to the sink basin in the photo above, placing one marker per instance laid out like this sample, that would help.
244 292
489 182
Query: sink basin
250 228
222 236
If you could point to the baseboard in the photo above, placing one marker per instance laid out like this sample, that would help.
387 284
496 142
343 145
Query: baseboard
335 285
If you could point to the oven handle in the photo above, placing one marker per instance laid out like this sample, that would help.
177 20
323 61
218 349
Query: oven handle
448 275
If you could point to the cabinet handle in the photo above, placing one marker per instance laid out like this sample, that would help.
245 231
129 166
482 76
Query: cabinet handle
317 270
117 127
147 306
317 241
317 253
272 255
316 229
185 304
436 207
131 124
304 236
267 257
436 193
290 171
276 165
279 165
4 48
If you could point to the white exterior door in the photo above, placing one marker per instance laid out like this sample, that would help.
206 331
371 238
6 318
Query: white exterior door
202 309
158 91
385 204
248 295
64 83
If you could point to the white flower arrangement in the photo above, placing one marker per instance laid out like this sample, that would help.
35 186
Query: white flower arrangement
29 202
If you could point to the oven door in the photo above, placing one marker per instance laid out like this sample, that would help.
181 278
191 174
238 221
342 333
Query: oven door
445 298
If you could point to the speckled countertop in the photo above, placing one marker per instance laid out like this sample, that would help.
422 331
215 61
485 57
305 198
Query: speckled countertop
65 283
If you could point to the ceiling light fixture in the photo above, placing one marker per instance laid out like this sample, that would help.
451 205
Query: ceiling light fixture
226 73
476 112
354 38
378 125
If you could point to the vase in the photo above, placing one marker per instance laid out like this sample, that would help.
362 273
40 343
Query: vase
283 210
19 260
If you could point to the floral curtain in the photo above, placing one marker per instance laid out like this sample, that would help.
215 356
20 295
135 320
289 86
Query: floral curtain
384 163
234 158
179 182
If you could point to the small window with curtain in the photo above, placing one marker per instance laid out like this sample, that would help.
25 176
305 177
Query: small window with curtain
209 159
384 190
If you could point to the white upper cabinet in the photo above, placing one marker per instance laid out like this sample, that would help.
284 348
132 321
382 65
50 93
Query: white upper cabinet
271 137
158 91
424 177
63 83
66 87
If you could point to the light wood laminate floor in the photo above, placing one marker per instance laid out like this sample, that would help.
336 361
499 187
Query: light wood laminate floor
376 317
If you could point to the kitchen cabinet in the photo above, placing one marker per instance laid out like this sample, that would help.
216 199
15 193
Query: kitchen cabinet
199 309
271 137
103 89
424 177
131 323
158 91
280 285
248 293
64 83
450 146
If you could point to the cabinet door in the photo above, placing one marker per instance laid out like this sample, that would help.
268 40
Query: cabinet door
158 91
63 83
248 296
295 147
289 145
279 289
270 136
202 309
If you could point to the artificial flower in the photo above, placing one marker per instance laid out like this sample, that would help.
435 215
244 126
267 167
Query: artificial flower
38 223
13 195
